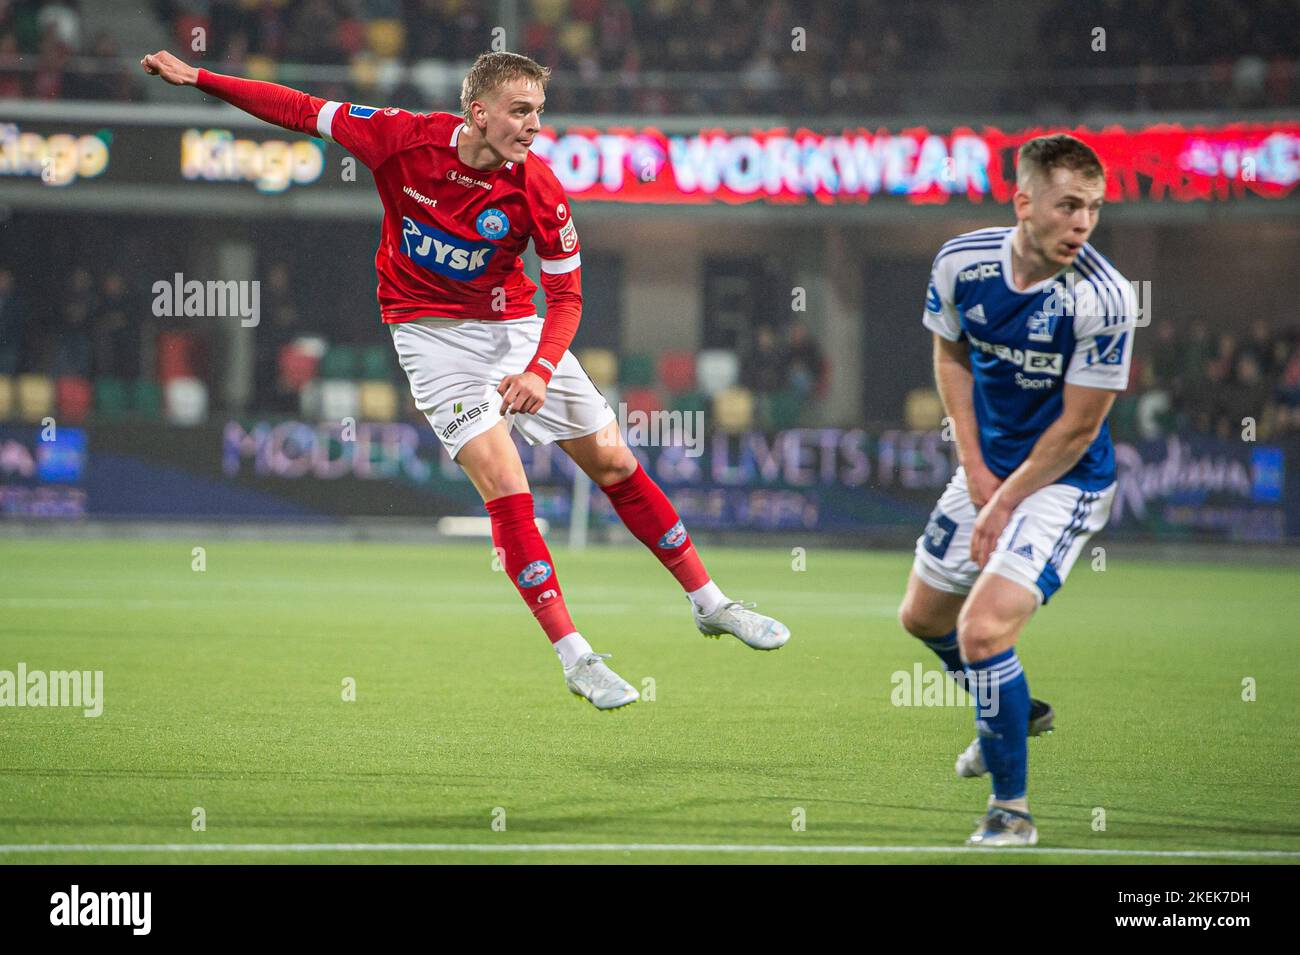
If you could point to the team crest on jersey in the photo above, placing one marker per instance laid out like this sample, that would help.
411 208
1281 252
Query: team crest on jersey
445 254
1041 326
675 537
538 572
362 112
492 224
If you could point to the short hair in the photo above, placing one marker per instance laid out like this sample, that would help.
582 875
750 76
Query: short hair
1042 154
491 70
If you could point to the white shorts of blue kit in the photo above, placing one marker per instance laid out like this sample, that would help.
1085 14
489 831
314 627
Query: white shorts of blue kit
455 365
1040 544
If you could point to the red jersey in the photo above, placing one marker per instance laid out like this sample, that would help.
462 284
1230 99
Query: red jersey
452 235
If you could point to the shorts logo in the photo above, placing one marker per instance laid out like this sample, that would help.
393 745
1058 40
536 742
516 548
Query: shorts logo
362 112
538 572
1024 550
938 533
569 237
463 418
492 224
675 537
445 254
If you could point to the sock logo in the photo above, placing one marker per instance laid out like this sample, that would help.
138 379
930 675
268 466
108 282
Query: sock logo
538 572
675 537
549 594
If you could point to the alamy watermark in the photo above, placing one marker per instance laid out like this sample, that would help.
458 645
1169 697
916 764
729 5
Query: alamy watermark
1106 299
77 688
922 687
660 429
179 298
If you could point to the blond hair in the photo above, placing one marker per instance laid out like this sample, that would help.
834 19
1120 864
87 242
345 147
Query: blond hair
491 70
1039 156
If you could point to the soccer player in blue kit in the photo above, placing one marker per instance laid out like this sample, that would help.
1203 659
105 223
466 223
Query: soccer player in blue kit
1033 331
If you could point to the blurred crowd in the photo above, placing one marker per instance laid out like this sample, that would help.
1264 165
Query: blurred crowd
46 54
1192 379
102 327
1241 54
697 56
1184 380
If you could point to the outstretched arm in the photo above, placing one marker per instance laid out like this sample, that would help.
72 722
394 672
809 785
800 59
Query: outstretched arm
276 104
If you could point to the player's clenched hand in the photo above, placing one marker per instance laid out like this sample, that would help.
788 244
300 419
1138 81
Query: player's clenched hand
981 484
170 69
522 394
992 521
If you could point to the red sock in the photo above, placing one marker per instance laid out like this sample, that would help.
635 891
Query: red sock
651 517
528 562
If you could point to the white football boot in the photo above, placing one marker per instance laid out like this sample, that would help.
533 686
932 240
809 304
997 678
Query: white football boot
1005 827
739 620
590 679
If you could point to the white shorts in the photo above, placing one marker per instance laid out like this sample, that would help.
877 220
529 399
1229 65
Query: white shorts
455 365
1041 542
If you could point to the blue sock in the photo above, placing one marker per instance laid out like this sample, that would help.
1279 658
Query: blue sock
945 648
1002 721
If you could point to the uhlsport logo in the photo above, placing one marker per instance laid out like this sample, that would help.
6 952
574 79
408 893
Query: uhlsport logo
675 537
538 572
443 253
492 224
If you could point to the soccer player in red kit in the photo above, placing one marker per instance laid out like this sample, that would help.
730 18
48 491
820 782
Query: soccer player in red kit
461 202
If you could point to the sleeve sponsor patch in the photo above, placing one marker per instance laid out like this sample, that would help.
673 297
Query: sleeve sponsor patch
569 237
362 112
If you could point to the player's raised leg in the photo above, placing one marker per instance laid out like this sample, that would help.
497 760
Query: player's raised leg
646 511
492 463
988 627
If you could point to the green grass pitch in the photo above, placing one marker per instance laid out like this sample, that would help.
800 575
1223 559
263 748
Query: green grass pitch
224 691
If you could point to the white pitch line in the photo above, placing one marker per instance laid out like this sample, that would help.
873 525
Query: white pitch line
637 847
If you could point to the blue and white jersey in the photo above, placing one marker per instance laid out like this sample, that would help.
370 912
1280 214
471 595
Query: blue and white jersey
1076 328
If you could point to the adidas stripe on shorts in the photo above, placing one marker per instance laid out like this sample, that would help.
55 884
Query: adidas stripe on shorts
1043 539
455 365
